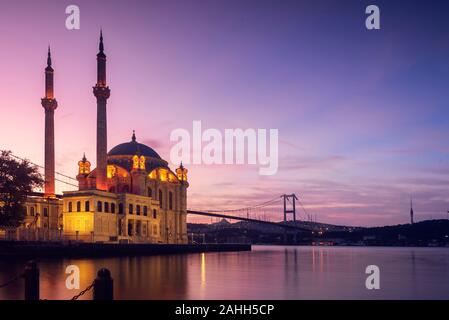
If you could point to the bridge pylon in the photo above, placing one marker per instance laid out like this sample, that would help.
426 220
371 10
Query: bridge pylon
286 198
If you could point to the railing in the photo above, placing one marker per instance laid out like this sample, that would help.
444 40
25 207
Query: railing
102 286
29 234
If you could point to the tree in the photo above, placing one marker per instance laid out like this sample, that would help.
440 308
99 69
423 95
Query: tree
17 181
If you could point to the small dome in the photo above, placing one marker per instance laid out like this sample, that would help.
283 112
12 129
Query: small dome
133 148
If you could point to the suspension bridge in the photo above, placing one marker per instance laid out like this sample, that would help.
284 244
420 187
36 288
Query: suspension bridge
263 213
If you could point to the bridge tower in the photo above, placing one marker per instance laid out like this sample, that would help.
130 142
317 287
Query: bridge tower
290 198
293 209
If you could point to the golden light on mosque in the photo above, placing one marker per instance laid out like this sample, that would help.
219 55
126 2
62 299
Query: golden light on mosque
163 175
153 174
112 171
84 166
181 172
139 162
172 177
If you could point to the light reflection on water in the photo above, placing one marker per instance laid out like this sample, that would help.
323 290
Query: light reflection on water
267 272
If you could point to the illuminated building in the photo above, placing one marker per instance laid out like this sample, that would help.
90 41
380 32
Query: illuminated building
132 196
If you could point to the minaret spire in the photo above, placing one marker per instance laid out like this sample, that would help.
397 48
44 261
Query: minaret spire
102 93
49 57
101 46
411 210
50 104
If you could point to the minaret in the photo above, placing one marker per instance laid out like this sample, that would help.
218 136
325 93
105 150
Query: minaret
101 92
50 104
181 172
411 211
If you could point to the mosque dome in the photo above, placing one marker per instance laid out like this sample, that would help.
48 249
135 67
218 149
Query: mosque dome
132 148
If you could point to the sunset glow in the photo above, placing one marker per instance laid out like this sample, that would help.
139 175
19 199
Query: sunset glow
363 118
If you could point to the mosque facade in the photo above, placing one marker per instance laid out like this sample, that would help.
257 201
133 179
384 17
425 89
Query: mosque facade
132 196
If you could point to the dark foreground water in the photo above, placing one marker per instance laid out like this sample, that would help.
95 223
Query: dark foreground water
268 272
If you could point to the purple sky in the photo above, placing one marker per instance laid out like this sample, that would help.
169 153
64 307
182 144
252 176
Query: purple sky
362 115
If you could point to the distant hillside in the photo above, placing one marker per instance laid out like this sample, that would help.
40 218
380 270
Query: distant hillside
425 233
420 233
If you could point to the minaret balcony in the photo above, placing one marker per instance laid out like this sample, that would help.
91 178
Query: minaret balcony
49 104
101 92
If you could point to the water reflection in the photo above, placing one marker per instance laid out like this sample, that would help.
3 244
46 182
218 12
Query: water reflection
265 273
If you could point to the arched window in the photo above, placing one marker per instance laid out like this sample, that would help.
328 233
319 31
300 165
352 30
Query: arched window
130 209
170 200
32 211
45 212
87 206
106 207
120 208
78 206
99 206
145 211
154 214
112 207
70 207
160 198
138 210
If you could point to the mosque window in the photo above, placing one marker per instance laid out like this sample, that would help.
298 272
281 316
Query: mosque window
130 209
145 211
32 211
112 207
160 198
170 200
70 207
130 229
78 206
99 206
138 210
154 214
106 207
87 206
120 208
45 212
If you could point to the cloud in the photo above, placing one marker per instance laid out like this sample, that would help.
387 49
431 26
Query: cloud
311 163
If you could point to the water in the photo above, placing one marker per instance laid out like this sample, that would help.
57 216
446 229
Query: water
267 272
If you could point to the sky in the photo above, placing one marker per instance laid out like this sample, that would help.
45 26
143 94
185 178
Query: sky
363 115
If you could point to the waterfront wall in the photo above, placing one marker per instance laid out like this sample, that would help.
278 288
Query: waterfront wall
92 250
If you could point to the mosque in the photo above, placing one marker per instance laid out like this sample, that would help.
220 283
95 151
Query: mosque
132 196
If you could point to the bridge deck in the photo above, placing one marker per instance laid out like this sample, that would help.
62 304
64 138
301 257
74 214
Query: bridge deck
225 216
